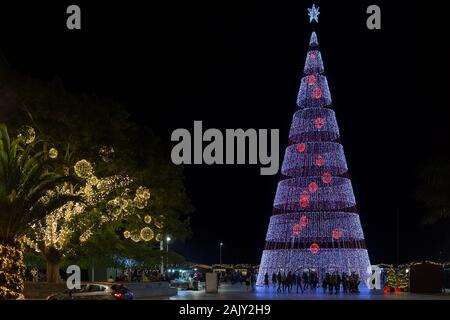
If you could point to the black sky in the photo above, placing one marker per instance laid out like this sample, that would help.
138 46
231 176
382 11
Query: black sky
239 67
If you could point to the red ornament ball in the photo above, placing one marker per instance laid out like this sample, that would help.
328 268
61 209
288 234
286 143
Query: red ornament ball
312 187
314 248
317 93
326 177
304 199
296 229
303 221
320 161
336 234
301 147
319 122
311 79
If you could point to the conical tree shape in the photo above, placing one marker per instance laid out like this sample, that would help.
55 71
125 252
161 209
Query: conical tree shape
315 224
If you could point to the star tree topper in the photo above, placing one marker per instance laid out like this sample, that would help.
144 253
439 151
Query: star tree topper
313 13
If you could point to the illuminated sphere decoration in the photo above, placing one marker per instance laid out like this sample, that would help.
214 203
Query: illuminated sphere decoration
301 147
140 202
83 169
320 161
143 192
106 153
319 122
27 133
314 248
53 153
311 79
147 234
135 236
304 199
314 224
158 237
312 187
326 177
296 229
147 219
317 93
303 221
336 234
127 234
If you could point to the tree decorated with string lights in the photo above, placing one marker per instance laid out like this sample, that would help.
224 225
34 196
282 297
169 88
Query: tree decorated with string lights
25 177
314 223
102 201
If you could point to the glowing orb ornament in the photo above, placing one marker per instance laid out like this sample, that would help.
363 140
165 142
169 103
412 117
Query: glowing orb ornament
319 122
313 56
147 219
317 93
311 79
303 221
127 234
319 161
147 234
301 147
83 169
304 199
336 234
312 187
143 192
136 237
27 133
296 229
53 153
326 177
140 202
158 237
93 180
314 248
106 153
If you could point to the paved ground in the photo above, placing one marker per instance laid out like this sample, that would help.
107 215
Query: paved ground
238 292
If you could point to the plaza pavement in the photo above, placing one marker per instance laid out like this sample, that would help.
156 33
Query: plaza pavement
238 292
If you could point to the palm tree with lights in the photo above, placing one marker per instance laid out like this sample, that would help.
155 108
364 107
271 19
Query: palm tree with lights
25 178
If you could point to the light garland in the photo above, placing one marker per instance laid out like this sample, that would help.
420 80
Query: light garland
12 272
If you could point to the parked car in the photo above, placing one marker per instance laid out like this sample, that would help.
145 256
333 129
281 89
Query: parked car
95 291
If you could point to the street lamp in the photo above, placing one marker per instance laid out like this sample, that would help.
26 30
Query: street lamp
167 249
220 252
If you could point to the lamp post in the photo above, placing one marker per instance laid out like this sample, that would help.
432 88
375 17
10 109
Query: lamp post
220 252
167 249
161 248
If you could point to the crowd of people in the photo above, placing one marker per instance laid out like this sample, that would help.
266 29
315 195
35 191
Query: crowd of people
139 275
331 282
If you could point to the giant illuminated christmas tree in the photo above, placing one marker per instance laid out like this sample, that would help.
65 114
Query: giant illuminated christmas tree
315 224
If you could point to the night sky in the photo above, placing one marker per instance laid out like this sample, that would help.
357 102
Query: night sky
240 67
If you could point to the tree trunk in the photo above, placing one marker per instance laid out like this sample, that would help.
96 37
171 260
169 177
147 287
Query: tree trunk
12 269
53 258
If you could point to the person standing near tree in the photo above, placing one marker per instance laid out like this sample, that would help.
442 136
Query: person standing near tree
266 280
338 283
274 279
305 280
298 280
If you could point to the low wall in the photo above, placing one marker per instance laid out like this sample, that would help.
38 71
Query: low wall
41 290
151 289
